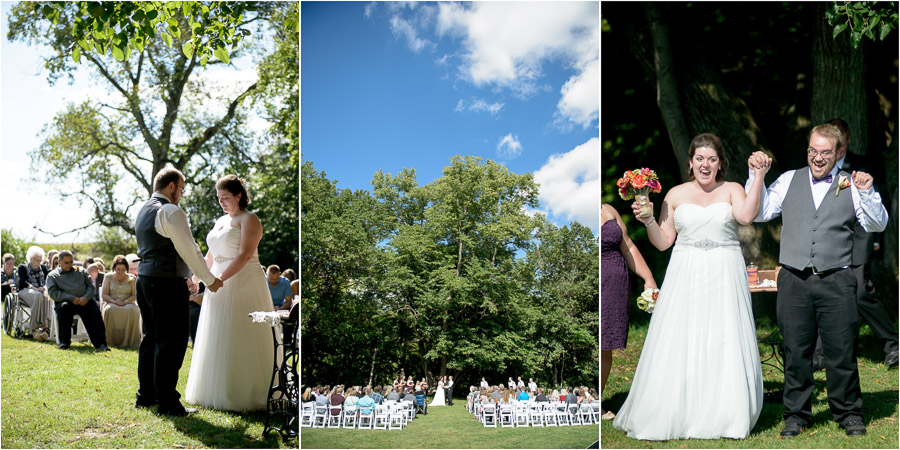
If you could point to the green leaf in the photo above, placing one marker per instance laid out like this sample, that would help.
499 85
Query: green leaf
127 52
203 61
99 35
118 53
222 54
76 55
838 29
188 49
855 37
138 16
186 9
870 34
138 44
85 44
885 29
166 37
174 31
152 14
172 22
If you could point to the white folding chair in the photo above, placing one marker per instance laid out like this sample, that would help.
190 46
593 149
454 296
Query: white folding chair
550 415
307 414
562 414
535 416
595 411
585 414
574 416
350 417
77 321
320 419
506 415
366 418
489 415
335 413
397 418
382 417
521 414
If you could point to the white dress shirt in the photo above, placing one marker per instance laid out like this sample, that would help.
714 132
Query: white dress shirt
171 222
533 386
484 384
870 212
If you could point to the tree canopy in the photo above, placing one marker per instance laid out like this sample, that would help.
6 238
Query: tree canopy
449 278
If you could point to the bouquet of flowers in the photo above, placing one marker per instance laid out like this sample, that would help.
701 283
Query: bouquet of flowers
638 184
647 300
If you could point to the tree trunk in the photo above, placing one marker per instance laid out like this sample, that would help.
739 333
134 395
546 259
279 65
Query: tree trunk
372 367
839 81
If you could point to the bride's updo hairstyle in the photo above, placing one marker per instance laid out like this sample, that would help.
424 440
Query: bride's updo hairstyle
708 140
235 185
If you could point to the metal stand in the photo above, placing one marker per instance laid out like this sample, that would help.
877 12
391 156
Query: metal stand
282 408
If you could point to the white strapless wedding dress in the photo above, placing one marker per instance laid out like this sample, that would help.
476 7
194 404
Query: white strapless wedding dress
699 374
231 366
438 399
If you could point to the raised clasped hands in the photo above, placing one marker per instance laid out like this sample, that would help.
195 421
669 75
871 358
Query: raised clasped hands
636 207
216 285
759 163
862 180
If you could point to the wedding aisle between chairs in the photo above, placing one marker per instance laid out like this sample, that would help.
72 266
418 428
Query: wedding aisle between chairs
450 427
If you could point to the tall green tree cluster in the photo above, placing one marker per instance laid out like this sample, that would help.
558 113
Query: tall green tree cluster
449 278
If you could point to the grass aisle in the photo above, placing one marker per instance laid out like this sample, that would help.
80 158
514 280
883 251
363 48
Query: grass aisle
82 398
451 427
879 389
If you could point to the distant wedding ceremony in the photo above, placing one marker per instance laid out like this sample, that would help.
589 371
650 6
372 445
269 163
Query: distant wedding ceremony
151 261
749 258
449 264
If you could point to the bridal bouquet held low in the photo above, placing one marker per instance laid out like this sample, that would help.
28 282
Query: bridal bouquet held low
637 184
647 300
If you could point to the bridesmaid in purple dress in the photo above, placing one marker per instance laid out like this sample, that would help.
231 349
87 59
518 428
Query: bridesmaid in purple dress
618 254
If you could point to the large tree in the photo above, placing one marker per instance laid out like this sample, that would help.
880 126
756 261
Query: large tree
148 126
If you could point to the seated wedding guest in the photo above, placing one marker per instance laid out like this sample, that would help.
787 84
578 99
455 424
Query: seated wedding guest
31 284
393 394
409 397
9 274
572 397
54 262
506 398
540 397
554 395
195 301
119 308
337 399
562 395
588 395
351 399
279 288
95 270
523 396
496 394
289 274
322 397
376 395
50 255
72 291
307 395
133 261
366 403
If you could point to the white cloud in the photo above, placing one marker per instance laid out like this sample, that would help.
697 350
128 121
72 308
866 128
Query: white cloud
367 12
403 28
507 43
478 105
509 146
570 184
580 97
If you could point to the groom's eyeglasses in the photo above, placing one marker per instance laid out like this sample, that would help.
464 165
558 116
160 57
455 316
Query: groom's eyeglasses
825 153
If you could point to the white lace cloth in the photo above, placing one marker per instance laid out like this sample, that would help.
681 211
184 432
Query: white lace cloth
273 318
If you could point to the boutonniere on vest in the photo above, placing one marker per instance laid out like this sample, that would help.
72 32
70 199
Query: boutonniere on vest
843 183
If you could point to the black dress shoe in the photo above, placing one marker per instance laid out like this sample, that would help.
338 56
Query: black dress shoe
791 429
175 412
891 359
63 346
103 348
854 427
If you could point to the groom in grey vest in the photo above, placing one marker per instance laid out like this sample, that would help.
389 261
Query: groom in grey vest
168 255
820 205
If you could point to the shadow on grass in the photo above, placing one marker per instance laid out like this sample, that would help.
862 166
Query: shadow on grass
216 436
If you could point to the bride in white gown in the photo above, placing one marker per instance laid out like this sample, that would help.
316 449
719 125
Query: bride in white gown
699 374
438 399
231 366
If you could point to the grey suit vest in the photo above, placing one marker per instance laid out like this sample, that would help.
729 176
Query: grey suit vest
157 252
822 237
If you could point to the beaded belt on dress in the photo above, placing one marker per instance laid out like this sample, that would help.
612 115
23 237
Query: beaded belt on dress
221 259
708 244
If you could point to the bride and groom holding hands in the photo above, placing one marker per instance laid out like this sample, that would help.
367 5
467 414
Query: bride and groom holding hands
699 374
232 357
443 394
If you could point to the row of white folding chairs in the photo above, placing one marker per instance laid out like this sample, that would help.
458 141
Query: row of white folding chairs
387 416
524 414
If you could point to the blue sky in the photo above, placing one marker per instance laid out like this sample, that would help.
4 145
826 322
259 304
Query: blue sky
386 86
27 102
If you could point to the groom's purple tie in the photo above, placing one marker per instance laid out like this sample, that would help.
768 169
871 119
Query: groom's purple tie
827 178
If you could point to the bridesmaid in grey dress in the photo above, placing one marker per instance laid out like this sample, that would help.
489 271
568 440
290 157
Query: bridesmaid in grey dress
617 255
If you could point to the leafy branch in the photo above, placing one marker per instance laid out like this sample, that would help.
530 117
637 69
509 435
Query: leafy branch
863 19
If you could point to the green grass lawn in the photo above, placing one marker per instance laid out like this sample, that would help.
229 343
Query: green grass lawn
82 398
451 427
880 398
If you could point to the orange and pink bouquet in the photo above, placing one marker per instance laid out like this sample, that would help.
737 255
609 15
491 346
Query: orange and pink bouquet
638 183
